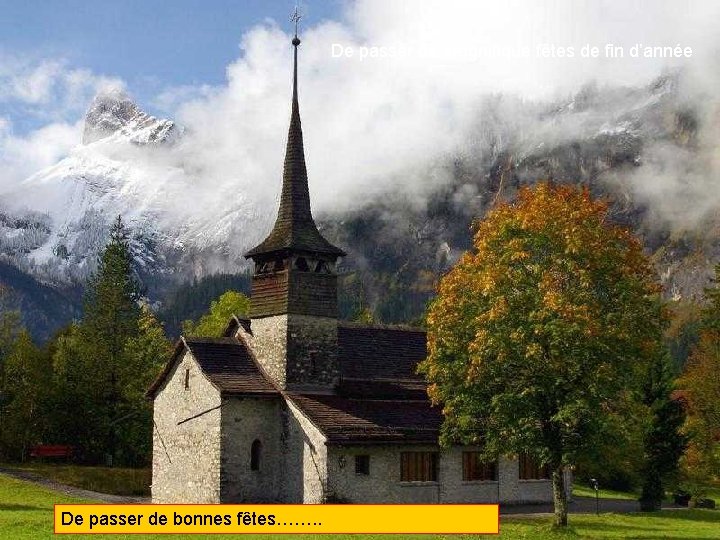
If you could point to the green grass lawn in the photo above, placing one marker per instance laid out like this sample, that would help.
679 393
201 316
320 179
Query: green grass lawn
115 480
26 512
586 491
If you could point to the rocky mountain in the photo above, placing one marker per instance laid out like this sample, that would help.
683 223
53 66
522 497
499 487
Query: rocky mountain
651 150
129 164
113 113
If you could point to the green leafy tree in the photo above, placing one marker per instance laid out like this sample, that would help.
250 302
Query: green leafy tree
617 459
145 355
365 316
664 442
711 312
537 330
214 322
700 386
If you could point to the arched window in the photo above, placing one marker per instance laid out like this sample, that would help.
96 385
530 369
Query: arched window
255 451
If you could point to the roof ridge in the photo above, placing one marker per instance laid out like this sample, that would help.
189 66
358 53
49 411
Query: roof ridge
208 339
394 327
385 379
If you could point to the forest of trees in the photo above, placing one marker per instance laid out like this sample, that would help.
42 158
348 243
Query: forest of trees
85 386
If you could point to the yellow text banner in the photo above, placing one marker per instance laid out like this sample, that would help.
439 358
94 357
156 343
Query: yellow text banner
277 518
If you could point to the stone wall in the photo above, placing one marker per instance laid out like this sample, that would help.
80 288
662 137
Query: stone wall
269 344
514 490
245 420
383 484
312 353
304 467
186 457
296 350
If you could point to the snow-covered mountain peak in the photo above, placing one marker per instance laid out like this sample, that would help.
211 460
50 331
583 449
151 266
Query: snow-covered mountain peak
113 112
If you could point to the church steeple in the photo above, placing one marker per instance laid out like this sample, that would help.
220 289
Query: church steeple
295 264
295 229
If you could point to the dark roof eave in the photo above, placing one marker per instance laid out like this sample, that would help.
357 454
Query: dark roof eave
266 394
359 440
284 249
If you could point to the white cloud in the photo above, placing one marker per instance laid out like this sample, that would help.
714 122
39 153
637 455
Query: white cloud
375 123
47 93
21 156
48 88
368 123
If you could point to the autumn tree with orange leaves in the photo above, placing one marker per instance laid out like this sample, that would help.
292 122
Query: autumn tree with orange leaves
700 388
540 328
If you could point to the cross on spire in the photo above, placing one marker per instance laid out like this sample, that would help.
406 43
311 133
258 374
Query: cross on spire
295 17
295 229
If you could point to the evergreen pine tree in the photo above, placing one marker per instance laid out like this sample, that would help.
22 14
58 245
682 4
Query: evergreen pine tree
27 378
145 355
110 318
664 442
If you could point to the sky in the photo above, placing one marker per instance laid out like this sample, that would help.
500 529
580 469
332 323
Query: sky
149 44
386 86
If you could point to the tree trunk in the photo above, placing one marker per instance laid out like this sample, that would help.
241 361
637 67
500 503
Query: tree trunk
559 497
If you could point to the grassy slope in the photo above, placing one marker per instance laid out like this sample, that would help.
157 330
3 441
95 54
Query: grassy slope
584 491
116 480
26 513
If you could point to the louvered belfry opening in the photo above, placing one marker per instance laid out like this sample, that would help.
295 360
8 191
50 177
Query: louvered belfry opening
295 264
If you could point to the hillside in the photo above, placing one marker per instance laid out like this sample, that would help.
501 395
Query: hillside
652 151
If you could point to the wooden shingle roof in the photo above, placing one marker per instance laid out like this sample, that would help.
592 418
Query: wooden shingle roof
377 352
380 398
345 420
295 229
226 363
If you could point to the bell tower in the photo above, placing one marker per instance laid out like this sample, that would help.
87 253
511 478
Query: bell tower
294 284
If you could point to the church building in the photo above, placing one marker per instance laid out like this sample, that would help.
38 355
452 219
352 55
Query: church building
296 406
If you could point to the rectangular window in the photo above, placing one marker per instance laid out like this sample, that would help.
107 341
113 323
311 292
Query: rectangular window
362 464
418 466
474 468
187 379
530 470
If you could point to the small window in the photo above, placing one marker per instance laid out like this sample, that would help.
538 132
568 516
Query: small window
418 466
362 464
530 470
474 468
255 451
302 264
187 379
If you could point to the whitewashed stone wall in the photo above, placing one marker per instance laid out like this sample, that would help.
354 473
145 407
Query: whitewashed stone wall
245 420
305 458
455 489
186 457
383 484
269 344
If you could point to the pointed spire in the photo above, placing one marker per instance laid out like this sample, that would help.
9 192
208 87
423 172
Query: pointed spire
295 229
